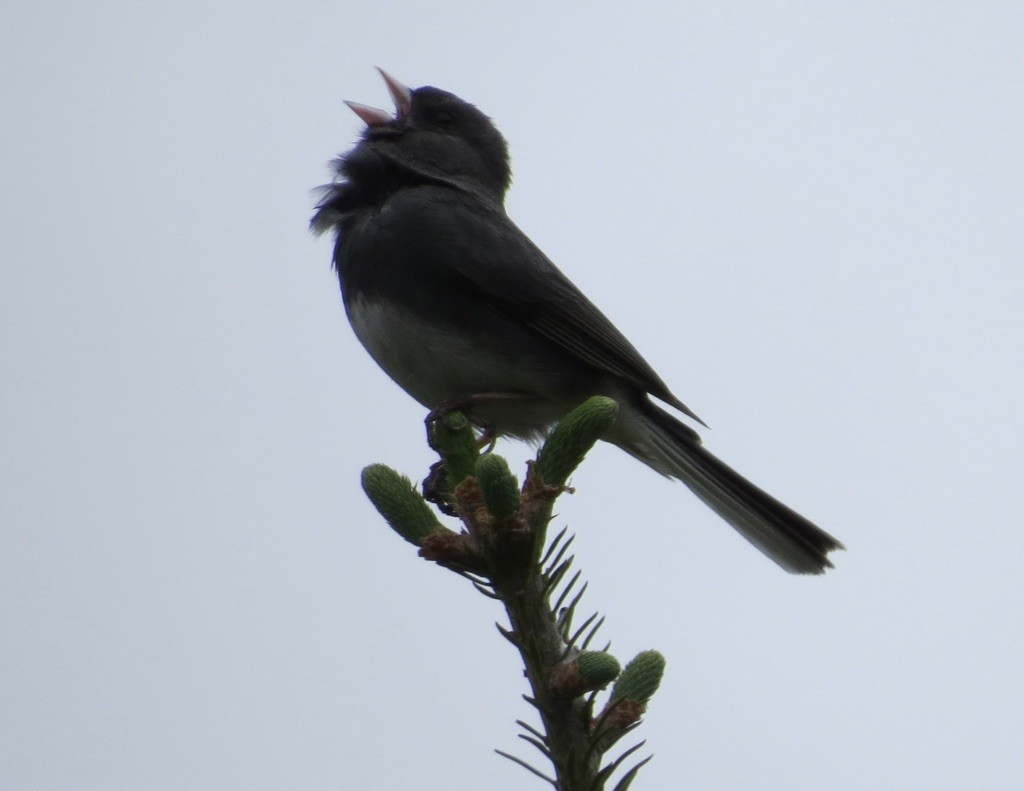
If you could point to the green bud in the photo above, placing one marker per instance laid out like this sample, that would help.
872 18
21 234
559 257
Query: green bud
499 485
573 438
455 440
641 678
597 668
396 499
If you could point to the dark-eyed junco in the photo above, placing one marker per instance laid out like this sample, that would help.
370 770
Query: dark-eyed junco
452 300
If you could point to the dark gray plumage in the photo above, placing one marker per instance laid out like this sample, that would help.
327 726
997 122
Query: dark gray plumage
453 300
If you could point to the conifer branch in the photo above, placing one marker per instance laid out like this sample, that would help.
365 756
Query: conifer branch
502 549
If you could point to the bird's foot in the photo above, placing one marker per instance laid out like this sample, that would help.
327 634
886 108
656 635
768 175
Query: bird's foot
465 404
436 490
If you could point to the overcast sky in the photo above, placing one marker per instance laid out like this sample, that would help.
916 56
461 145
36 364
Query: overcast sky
809 217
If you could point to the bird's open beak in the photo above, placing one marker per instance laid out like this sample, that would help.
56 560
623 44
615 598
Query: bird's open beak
400 95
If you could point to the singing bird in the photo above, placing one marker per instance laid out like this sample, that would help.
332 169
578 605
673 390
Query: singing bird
457 305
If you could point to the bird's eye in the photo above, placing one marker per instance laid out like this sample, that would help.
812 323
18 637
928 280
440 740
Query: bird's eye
441 118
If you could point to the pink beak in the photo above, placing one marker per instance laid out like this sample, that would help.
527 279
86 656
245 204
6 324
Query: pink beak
400 95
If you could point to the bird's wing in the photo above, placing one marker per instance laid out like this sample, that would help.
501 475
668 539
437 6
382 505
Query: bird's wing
476 243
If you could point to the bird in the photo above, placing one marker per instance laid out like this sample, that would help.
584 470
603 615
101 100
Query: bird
457 305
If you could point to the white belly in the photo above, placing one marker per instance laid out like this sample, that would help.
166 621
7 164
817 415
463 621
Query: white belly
434 367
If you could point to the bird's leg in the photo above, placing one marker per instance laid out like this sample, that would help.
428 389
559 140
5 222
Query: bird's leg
435 485
465 404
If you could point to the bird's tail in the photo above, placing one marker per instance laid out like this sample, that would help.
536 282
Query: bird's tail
673 449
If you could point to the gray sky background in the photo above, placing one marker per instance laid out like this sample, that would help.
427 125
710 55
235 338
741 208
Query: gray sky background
807 216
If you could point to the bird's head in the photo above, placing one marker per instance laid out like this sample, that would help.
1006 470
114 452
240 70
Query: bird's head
437 134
